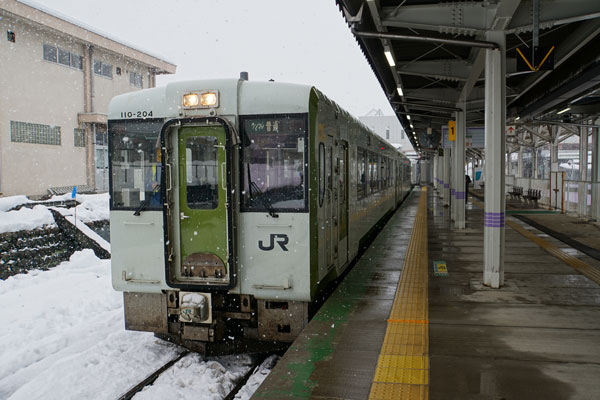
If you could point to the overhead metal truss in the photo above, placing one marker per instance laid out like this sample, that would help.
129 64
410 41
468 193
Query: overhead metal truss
437 49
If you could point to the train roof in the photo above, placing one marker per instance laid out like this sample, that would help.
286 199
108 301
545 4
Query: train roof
255 97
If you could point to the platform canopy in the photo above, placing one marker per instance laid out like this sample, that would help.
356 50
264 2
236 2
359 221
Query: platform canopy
428 55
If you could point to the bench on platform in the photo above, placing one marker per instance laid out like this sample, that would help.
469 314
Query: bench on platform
516 192
533 195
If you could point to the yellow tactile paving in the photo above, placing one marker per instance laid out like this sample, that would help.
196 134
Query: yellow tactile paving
403 367
382 391
581 266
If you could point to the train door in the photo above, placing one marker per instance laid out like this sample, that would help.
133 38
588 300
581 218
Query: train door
341 191
332 206
203 207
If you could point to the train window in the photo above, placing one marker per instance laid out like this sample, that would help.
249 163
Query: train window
274 163
322 167
361 187
373 173
135 164
202 172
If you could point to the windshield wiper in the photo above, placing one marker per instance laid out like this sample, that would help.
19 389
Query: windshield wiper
141 208
263 199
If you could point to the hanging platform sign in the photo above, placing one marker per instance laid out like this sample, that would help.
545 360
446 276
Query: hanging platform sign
452 131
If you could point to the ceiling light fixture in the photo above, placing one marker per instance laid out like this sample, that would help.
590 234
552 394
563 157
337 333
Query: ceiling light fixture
564 111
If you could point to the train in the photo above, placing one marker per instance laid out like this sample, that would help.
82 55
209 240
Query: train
235 203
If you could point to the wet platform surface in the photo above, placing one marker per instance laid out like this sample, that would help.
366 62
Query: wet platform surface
336 355
536 337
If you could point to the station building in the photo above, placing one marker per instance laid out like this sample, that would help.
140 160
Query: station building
57 78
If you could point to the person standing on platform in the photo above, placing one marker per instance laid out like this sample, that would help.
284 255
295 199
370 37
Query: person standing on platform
467 182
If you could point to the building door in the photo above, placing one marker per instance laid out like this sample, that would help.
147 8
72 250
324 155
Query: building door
101 158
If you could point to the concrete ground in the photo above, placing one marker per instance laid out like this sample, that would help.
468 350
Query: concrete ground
535 338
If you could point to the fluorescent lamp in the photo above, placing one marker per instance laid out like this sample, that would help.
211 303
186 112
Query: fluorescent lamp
518 118
400 92
408 117
564 111
390 58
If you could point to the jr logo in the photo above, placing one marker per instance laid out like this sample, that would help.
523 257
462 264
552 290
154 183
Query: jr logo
282 240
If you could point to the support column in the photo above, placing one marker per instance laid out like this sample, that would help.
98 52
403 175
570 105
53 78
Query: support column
520 163
459 167
596 174
582 186
435 172
453 181
447 156
495 124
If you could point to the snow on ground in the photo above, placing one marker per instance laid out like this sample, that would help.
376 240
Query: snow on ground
25 219
92 207
63 338
6 203
257 378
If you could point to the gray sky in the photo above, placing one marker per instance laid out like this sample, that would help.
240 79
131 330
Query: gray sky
290 41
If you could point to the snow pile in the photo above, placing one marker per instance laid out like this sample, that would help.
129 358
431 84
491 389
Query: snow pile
25 219
62 335
93 207
193 378
257 378
6 203
63 338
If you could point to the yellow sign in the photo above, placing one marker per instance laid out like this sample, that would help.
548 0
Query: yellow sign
452 131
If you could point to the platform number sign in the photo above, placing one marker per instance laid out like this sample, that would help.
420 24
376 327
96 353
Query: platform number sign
452 131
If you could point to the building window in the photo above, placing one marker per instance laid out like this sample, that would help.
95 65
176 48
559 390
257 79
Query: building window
25 132
387 133
79 137
64 57
103 69
57 55
118 70
10 36
135 79
50 53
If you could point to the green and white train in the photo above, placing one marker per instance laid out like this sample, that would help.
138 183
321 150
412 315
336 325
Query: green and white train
235 203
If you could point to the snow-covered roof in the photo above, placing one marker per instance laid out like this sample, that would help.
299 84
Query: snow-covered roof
39 14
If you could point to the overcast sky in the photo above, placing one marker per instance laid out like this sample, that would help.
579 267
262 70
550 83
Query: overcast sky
290 41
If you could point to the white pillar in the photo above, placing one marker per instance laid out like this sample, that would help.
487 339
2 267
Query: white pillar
520 163
596 174
447 156
495 124
453 181
459 168
582 186
435 172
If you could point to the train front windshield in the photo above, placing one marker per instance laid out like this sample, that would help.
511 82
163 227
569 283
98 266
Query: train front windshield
274 163
135 164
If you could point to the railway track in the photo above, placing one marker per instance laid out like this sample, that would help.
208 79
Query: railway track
149 380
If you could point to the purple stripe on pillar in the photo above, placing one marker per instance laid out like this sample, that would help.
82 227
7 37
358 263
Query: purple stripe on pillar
453 192
460 195
446 185
494 219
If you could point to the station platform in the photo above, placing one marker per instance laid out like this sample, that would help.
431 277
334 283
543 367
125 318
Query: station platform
393 329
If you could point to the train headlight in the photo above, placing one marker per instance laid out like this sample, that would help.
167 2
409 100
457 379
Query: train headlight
209 99
190 100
